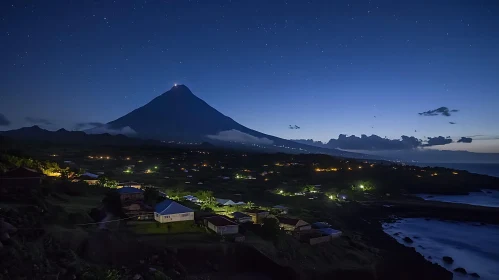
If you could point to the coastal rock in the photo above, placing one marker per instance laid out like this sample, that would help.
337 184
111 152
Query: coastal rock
407 239
474 274
447 260
460 270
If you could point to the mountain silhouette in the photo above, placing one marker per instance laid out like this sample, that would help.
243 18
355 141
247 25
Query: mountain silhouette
62 136
176 115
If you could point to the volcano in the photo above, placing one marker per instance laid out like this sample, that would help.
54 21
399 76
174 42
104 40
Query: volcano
179 115
176 115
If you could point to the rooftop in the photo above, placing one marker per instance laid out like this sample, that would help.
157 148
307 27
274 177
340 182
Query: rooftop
257 211
129 190
288 221
239 215
220 221
169 206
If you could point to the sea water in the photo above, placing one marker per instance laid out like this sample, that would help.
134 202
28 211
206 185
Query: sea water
488 198
473 247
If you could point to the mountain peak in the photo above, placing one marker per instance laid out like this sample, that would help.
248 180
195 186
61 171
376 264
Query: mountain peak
179 89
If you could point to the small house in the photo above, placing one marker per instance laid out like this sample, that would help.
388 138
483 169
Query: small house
281 209
20 179
241 217
170 211
130 185
326 229
89 178
221 225
129 194
225 202
291 224
257 215
139 210
191 198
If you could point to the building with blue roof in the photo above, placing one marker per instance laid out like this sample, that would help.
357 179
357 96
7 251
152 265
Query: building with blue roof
170 211
129 194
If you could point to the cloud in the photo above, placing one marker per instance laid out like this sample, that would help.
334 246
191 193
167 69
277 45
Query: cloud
374 142
3 120
444 111
452 122
377 143
294 127
79 126
465 140
113 131
310 142
38 121
437 141
238 136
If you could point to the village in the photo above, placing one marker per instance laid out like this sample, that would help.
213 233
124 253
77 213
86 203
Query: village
302 212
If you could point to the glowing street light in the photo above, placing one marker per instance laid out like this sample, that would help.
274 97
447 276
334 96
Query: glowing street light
281 191
362 186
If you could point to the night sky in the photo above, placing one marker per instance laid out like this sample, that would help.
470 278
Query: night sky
329 67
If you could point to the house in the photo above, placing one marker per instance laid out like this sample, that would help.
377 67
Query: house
225 202
281 209
171 211
89 178
138 210
292 224
326 229
241 217
257 215
130 185
191 198
221 225
20 179
330 232
129 194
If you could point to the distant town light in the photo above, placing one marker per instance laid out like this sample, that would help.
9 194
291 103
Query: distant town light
174 85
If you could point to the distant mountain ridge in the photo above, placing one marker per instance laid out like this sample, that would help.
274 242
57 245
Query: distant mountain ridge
62 136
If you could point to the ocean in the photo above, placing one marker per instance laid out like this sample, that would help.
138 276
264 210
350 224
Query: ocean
491 169
488 198
473 247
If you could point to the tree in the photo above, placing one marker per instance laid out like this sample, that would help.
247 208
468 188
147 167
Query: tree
309 188
250 204
270 228
209 203
204 195
151 195
108 183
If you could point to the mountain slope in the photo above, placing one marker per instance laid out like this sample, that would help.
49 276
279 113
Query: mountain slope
175 115
179 115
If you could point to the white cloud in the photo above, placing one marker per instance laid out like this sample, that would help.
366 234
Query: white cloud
106 129
238 136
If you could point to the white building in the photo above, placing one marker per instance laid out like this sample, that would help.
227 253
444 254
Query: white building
170 211
225 202
221 225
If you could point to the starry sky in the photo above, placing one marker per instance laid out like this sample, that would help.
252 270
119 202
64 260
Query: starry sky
329 67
